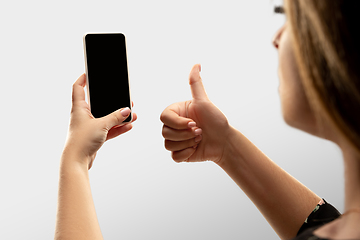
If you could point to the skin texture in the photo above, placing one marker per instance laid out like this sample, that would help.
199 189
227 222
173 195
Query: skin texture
181 139
290 202
195 131
297 113
251 169
80 136
76 216
295 106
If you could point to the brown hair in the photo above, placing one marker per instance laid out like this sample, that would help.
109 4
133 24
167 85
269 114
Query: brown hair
327 46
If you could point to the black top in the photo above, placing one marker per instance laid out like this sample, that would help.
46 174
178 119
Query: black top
322 214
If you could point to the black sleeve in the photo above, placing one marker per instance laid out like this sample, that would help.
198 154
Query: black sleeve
321 215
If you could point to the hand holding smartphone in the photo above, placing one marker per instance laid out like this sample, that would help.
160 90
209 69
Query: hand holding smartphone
107 75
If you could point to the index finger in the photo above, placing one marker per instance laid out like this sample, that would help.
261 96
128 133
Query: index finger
171 118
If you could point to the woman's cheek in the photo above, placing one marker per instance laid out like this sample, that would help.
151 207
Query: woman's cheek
295 107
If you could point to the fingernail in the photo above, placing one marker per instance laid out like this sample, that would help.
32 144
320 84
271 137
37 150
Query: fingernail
198 131
191 124
125 112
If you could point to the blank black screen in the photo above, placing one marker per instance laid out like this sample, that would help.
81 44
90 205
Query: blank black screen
107 73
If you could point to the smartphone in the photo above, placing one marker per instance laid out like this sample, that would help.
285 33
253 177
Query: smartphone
107 75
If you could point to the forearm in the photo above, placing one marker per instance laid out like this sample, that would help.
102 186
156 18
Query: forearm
76 216
283 201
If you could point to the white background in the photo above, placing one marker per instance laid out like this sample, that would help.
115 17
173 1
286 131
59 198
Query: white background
139 192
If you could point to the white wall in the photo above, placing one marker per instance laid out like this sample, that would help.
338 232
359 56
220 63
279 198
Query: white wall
139 192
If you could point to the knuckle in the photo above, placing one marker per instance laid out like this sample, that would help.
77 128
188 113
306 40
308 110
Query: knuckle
186 134
117 119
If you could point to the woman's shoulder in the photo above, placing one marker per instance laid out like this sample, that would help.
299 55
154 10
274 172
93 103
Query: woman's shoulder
322 214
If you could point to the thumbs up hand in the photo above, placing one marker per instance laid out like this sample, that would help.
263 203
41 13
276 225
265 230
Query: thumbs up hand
195 130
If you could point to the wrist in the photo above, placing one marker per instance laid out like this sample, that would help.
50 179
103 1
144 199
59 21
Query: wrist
73 157
240 153
230 149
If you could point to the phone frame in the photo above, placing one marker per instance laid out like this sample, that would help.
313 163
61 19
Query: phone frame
130 117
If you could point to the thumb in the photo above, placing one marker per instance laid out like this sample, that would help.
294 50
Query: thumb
196 85
78 93
117 117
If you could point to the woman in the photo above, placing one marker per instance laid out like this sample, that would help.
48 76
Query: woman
319 89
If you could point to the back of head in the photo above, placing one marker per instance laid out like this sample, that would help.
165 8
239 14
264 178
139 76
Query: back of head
327 45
